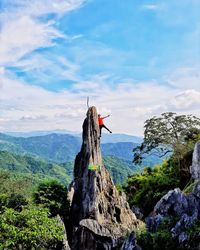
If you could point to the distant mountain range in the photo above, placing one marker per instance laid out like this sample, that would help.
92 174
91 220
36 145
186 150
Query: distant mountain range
62 147
106 138
41 133
52 155
54 147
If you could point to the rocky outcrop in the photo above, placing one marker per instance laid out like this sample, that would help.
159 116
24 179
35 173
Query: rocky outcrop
195 168
183 209
131 243
99 215
175 204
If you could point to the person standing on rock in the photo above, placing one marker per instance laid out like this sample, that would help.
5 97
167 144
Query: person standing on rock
101 124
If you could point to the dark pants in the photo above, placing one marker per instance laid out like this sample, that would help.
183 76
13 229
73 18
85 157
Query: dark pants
103 126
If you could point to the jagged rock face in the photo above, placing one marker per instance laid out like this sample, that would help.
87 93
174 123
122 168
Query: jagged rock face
186 208
174 202
130 243
96 206
195 168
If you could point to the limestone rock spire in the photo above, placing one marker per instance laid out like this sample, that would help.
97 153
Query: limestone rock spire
100 216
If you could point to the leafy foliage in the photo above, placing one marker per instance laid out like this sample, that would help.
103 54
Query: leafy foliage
188 189
146 188
11 183
53 195
24 225
165 134
29 229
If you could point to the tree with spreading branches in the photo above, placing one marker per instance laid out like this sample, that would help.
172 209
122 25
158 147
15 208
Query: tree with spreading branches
166 134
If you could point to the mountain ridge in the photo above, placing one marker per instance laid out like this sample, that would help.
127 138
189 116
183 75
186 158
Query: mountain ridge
106 138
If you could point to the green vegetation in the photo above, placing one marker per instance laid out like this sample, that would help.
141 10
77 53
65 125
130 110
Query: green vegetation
188 189
61 148
51 157
193 232
119 169
162 238
177 134
24 223
29 229
34 168
165 134
170 132
53 195
146 188
55 147
11 183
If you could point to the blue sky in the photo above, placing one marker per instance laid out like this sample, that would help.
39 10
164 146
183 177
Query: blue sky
134 58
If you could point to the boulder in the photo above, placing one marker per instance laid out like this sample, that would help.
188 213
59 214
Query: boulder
99 215
173 203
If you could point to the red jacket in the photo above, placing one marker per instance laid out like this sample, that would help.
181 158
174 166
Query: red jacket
100 120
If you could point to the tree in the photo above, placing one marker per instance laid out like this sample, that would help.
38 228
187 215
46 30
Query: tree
53 195
166 134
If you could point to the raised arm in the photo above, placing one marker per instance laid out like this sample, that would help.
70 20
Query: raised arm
105 116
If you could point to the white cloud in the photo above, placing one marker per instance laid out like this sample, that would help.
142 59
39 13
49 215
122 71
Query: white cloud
26 108
23 32
187 100
41 68
42 7
22 36
186 77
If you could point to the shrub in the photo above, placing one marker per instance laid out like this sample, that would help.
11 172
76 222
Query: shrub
145 189
29 229
53 195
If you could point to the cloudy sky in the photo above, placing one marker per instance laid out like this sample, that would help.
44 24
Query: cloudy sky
134 58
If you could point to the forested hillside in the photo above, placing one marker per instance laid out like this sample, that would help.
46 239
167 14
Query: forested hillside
34 168
39 169
55 147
